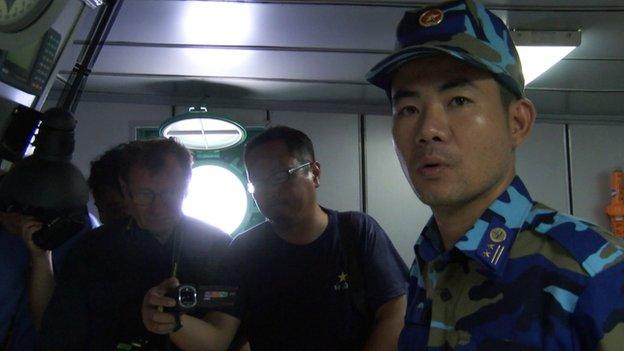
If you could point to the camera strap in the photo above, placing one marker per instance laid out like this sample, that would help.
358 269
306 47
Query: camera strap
177 249
175 260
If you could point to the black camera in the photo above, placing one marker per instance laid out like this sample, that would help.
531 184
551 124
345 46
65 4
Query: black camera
59 225
57 231
189 297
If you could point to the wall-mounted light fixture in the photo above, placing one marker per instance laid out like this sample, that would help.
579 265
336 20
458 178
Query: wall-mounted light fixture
540 50
200 130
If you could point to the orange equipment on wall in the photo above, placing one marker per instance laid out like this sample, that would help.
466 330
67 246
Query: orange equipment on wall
615 210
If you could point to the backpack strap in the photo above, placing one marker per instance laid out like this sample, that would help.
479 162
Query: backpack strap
348 233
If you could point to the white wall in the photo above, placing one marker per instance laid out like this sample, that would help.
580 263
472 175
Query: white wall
390 199
102 126
596 151
541 163
336 145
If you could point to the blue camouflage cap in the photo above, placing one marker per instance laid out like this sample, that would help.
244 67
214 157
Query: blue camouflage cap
464 29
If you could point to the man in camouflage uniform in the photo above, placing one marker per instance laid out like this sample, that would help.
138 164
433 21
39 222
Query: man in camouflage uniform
494 270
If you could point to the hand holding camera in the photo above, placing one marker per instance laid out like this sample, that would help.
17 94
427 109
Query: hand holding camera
163 304
154 318
23 226
189 297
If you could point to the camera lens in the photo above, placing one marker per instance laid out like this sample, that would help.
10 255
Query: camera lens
187 296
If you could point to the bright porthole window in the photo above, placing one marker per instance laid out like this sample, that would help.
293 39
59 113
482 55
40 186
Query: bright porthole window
216 196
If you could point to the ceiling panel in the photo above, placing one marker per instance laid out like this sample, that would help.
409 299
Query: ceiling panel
295 65
239 94
592 75
315 66
236 23
321 50
234 88
602 33
314 26
491 3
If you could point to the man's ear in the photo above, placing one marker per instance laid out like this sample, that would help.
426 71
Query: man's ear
521 116
124 188
316 173
186 187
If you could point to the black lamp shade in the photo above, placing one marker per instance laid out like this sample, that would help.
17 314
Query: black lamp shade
45 184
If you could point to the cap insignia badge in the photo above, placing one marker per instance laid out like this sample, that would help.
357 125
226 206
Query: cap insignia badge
431 17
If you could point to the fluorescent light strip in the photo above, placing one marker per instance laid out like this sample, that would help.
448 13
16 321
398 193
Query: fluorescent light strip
539 59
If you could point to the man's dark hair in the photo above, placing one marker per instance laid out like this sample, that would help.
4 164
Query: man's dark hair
506 96
297 143
151 155
105 169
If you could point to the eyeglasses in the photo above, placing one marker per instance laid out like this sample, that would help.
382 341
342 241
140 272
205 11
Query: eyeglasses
147 197
274 179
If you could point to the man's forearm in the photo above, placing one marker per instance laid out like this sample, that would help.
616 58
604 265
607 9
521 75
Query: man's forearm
213 334
40 285
388 325
385 335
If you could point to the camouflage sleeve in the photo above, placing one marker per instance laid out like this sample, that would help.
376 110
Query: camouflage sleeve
598 318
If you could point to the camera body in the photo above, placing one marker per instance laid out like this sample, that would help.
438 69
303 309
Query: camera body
59 225
189 297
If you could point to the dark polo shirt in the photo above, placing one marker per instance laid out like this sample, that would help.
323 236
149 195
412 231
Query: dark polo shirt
97 301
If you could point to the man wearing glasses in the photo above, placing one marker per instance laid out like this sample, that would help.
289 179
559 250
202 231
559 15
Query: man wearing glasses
296 288
96 304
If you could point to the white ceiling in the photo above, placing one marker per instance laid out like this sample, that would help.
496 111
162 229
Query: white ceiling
315 53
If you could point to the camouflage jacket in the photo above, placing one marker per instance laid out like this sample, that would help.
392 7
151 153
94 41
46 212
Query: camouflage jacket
525 277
